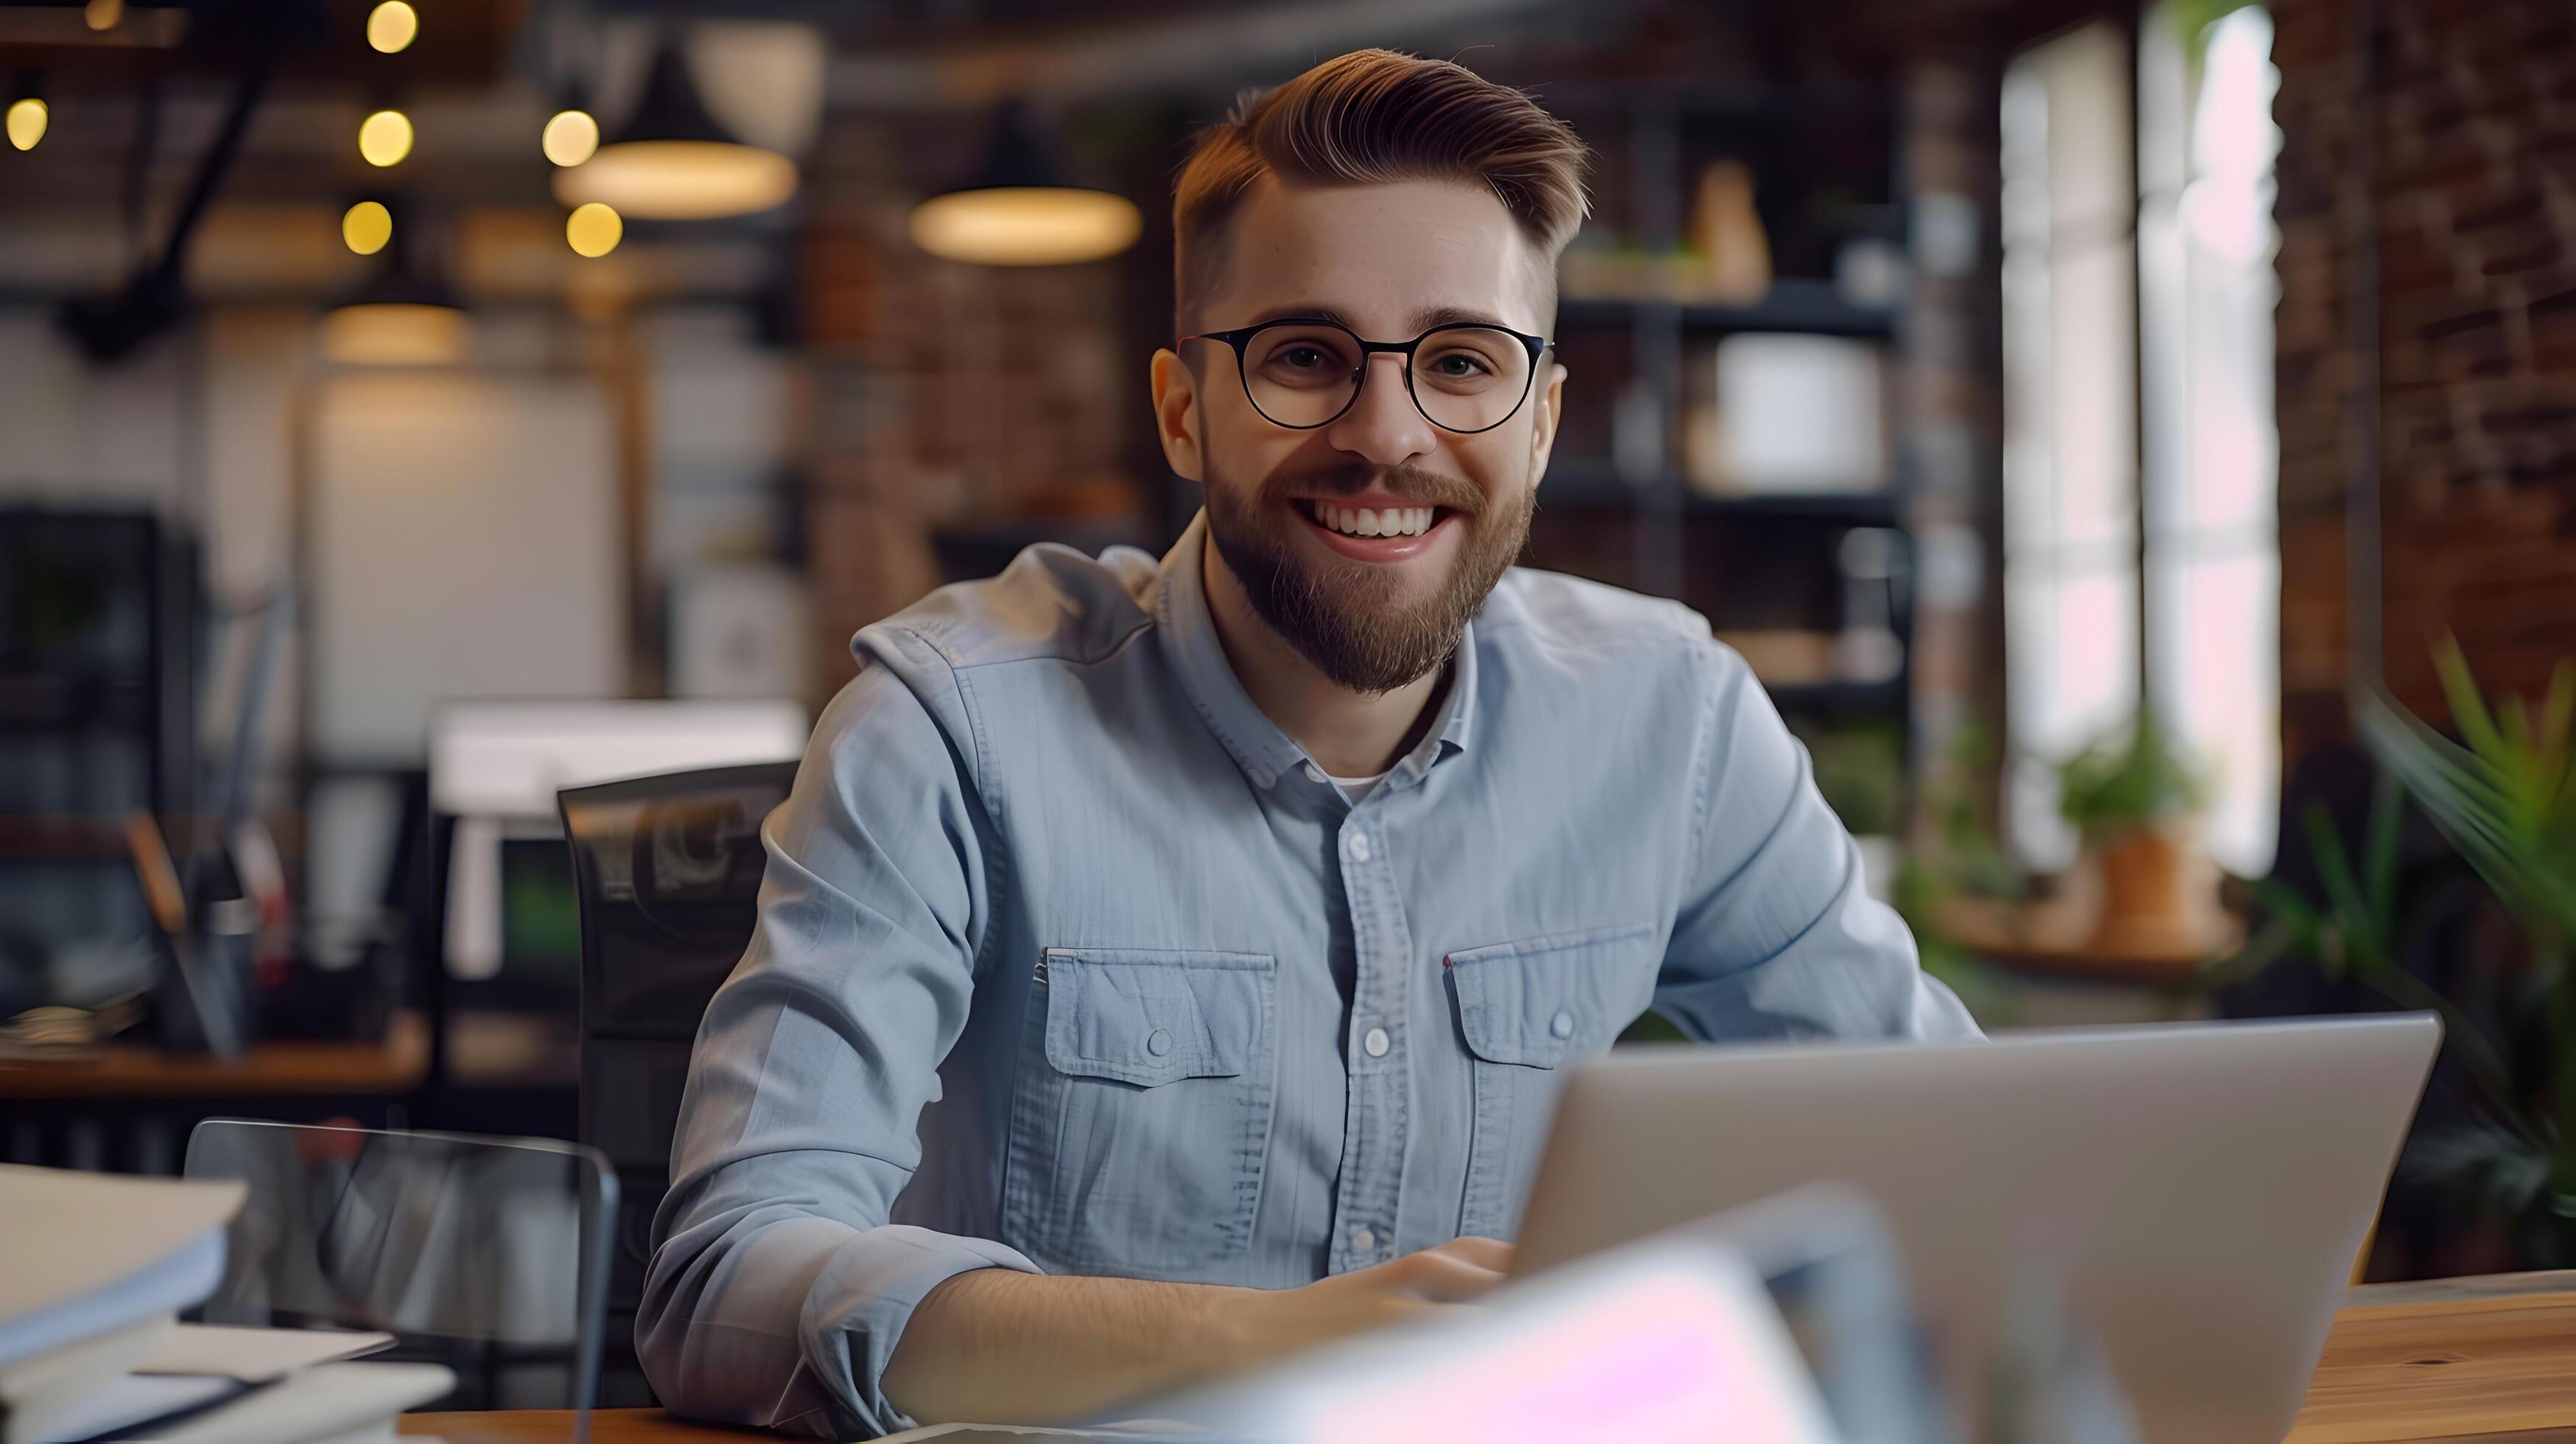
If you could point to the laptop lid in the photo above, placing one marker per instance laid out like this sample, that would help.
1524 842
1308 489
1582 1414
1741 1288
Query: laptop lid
2195 1195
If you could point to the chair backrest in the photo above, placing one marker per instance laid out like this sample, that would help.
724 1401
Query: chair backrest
489 1255
667 871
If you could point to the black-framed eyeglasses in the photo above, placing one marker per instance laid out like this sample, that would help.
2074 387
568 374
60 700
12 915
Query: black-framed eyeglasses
1303 372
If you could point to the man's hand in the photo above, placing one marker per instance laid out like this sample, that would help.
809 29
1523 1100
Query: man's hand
1287 1320
997 1347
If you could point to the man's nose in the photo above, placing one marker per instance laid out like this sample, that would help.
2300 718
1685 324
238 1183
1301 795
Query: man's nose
1382 424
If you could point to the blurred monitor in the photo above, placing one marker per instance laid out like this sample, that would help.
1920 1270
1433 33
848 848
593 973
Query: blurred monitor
494 768
540 917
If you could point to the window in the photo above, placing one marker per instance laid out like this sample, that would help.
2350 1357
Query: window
2140 453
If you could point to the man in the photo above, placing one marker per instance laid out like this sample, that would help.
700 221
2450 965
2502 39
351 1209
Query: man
1163 967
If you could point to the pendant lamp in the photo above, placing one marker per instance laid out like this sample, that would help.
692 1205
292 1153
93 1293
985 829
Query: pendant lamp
675 162
404 315
1020 210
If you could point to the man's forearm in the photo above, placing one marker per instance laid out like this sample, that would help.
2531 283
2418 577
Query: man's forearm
997 1345
1002 1347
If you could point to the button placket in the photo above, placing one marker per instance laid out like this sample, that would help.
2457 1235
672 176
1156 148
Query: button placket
1376 1120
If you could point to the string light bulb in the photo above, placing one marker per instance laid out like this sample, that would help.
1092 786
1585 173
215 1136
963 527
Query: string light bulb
594 229
571 137
103 14
27 118
392 26
384 138
366 227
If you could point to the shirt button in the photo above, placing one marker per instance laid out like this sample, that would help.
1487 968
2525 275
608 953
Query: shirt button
1159 1042
1315 773
1359 847
1363 1241
1375 1042
1562 1025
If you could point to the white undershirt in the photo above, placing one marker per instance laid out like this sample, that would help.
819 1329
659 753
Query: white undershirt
1355 788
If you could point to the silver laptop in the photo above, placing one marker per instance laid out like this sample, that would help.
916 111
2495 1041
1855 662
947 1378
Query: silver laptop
2193 1195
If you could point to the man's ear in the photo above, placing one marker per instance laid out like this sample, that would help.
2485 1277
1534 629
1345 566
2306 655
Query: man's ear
1176 415
1550 402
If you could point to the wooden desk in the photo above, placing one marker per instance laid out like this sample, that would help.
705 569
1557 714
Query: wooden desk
267 1070
2450 1358
2491 1358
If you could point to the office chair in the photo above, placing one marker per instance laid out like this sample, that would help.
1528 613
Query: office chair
667 871
488 1255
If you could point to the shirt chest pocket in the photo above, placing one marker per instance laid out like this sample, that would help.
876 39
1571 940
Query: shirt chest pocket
1141 1112
1524 1010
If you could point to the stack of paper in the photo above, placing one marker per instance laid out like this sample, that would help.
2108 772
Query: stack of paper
94 1270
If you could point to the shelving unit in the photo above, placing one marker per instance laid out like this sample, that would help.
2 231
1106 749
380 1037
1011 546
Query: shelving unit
97 710
1804 307
1589 482
1616 503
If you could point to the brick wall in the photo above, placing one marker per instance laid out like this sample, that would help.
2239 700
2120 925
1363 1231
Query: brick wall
2474 203
1952 415
944 396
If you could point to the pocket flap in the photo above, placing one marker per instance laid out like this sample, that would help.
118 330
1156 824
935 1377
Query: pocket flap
1150 1018
1527 1002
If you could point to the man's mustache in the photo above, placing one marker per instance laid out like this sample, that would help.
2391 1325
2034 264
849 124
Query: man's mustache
1408 484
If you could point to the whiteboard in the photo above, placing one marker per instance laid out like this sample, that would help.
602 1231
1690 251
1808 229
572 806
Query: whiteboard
465 542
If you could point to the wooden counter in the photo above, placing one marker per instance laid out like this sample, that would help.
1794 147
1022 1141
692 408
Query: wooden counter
289 1068
2458 1359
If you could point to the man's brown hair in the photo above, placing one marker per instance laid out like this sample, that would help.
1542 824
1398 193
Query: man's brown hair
1368 118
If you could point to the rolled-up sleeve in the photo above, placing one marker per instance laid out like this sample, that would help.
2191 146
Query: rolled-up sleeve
778 1289
1776 935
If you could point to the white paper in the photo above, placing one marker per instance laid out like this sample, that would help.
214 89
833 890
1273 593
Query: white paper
256 1356
129 1399
75 1235
324 1402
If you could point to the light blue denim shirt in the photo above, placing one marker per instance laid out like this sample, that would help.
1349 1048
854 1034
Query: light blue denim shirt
1069 960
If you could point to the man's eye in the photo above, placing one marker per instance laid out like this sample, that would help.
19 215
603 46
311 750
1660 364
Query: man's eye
1304 358
1459 365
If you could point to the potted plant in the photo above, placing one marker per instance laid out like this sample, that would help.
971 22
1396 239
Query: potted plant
2504 796
2137 799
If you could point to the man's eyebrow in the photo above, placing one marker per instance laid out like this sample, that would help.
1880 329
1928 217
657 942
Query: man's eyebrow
1423 320
1304 310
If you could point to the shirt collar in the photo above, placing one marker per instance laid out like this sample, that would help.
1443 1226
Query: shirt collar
1188 633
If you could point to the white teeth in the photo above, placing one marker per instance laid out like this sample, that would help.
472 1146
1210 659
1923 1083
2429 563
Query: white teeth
1362 521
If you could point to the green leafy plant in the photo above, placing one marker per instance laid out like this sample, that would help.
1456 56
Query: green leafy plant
2503 796
2360 932
1860 769
1963 859
2135 780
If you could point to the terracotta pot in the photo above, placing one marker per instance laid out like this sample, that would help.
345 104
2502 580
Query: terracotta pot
2159 889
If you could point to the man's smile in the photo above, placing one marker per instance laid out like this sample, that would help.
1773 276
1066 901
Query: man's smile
1373 528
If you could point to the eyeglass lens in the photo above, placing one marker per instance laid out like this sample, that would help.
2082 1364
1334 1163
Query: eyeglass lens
1465 378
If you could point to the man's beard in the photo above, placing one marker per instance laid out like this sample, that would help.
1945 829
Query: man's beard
1344 616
